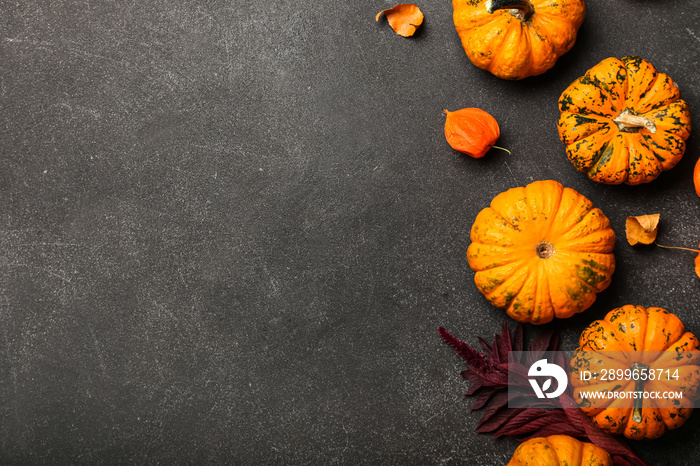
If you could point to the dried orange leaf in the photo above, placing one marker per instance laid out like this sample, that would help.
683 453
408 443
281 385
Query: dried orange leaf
404 18
642 229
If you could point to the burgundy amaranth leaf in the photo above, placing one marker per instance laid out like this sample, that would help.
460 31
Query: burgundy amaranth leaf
498 402
469 354
482 398
502 343
494 378
535 425
543 343
518 374
488 374
605 441
555 429
517 340
475 386
497 420
488 350
525 417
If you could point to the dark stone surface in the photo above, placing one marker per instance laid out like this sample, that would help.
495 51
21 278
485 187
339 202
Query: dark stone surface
230 230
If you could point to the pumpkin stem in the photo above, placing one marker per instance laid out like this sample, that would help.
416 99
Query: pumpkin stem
676 247
501 148
544 250
523 8
631 123
639 387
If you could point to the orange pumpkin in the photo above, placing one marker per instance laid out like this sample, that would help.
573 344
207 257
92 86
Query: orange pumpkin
556 450
541 251
514 39
696 177
653 341
623 122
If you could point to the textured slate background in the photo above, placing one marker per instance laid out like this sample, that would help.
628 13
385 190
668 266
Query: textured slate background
230 230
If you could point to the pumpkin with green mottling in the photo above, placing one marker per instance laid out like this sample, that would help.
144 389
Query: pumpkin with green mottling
541 251
514 39
624 122
558 450
650 341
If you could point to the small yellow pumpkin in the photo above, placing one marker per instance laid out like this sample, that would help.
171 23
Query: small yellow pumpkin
623 122
514 39
541 251
557 450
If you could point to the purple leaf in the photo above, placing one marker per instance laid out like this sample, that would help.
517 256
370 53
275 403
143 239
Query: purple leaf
482 398
476 376
535 425
492 378
602 439
517 340
474 387
499 400
490 382
539 346
503 342
541 341
488 351
497 420
554 429
518 420
469 354
518 373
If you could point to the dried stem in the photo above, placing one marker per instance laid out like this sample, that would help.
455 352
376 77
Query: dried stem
501 148
638 387
629 122
523 8
677 247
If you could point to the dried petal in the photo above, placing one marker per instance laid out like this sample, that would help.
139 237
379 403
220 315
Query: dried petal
642 229
404 18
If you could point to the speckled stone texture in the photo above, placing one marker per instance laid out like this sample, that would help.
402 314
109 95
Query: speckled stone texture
230 229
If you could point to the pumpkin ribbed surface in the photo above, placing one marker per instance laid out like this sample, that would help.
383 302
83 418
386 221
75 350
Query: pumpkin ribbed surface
541 251
514 39
623 122
558 450
665 344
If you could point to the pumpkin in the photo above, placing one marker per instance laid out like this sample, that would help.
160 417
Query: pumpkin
556 450
514 39
541 251
696 177
645 340
623 122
